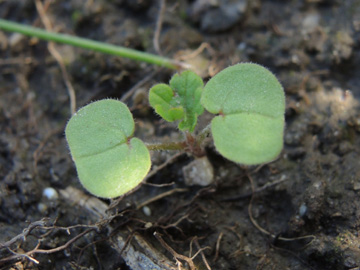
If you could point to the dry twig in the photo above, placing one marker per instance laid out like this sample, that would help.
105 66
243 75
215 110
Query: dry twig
254 222
22 236
162 166
36 250
202 253
140 83
158 27
176 255
217 249
51 47
254 191
160 196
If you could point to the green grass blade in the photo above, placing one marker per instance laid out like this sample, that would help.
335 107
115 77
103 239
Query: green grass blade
89 44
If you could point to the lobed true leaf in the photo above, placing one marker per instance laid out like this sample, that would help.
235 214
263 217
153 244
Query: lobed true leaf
162 99
180 100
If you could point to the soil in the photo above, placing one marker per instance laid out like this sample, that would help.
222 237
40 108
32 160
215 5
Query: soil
301 211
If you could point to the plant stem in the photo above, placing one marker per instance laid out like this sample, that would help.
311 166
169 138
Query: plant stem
91 44
167 146
203 134
193 145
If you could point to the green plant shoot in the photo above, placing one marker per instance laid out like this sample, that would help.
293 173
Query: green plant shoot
180 100
250 102
247 99
108 160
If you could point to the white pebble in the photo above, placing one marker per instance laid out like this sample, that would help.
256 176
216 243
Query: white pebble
147 211
199 172
302 210
50 193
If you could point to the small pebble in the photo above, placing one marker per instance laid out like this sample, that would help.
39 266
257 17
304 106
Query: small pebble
147 211
15 39
42 208
148 225
50 193
199 172
356 186
302 210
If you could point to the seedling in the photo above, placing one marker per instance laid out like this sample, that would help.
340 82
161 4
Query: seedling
248 102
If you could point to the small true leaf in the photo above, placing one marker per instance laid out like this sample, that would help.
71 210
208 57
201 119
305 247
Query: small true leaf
109 162
180 100
164 102
251 104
